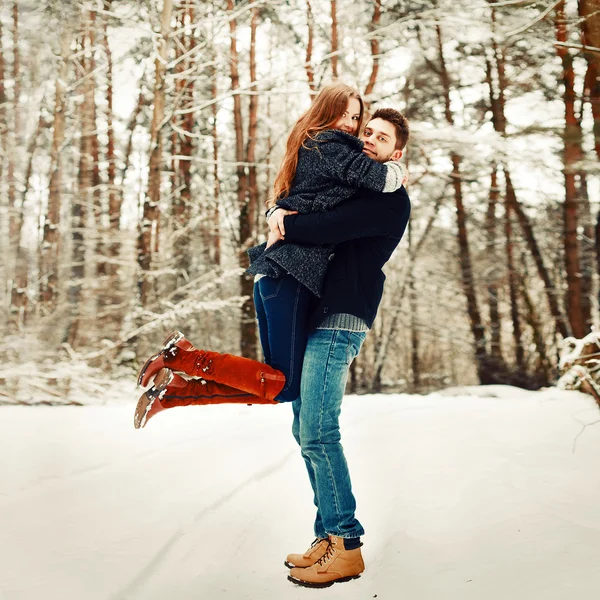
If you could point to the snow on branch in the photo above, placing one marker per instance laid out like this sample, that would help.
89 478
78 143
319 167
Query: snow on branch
580 365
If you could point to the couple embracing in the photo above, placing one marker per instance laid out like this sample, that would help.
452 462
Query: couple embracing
338 211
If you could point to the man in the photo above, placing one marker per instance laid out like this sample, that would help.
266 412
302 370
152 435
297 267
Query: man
366 230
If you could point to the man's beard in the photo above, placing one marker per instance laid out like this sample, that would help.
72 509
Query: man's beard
380 158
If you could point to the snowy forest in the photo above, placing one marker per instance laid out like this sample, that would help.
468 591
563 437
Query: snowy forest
140 140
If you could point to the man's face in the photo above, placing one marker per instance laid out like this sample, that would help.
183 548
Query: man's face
379 138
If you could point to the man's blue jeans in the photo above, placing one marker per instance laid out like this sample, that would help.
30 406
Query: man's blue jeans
282 310
327 359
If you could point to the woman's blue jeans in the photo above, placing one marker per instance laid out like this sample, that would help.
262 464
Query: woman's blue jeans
282 309
327 359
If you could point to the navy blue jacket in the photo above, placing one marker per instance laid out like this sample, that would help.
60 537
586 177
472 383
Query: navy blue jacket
366 230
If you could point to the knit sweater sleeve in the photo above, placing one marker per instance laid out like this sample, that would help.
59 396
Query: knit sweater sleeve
343 160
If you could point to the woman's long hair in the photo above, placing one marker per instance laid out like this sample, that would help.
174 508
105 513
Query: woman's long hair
329 105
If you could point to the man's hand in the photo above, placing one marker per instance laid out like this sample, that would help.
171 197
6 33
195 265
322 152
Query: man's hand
276 223
273 237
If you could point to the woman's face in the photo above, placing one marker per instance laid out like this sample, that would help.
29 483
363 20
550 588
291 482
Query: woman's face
348 122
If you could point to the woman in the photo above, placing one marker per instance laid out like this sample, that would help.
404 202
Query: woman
322 166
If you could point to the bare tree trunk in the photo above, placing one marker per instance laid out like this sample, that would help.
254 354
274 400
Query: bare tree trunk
463 242
589 12
310 73
252 129
49 248
588 252
572 153
97 262
177 206
10 145
14 133
18 293
114 195
543 372
513 289
110 294
151 203
82 199
5 248
2 93
131 125
248 325
493 287
183 203
334 39
187 145
414 321
16 66
216 221
374 50
96 192
268 186
114 198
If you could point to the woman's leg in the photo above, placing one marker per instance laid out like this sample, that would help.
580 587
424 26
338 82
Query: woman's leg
171 390
263 324
247 375
285 305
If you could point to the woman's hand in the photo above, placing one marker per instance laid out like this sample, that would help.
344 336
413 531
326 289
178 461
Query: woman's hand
275 222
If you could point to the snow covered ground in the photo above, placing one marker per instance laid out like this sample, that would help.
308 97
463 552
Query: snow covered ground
472 493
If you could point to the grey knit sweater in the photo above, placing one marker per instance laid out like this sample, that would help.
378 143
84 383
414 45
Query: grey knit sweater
330 168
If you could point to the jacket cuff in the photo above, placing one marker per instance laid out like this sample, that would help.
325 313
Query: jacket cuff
271 210
395 176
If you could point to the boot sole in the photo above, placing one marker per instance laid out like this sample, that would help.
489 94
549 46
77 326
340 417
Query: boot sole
144 404
169 342
148 398
326 584
290 565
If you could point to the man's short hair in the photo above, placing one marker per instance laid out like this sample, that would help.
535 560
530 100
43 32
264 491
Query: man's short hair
399 121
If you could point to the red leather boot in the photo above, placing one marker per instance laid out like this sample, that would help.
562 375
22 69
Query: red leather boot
245 374
170 390
173 343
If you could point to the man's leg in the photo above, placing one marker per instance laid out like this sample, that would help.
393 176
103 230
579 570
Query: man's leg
318 527
327 359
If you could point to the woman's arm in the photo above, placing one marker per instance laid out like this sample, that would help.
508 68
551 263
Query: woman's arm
346 162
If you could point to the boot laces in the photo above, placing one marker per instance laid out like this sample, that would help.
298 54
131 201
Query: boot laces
328 554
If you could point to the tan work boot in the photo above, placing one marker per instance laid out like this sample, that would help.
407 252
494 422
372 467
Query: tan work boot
310 557
335 566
